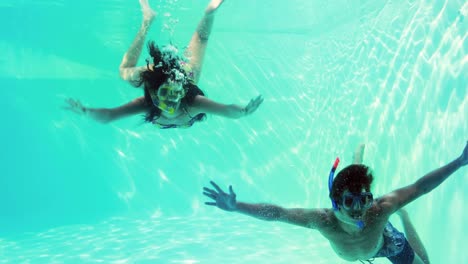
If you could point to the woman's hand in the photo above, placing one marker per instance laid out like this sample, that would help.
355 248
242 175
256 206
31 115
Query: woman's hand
75 106
253 105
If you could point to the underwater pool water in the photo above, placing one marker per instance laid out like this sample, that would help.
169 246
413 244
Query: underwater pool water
390 74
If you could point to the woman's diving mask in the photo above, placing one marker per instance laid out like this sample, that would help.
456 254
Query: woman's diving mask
168 96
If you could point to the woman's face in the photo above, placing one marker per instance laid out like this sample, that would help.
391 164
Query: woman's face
171 91
168 96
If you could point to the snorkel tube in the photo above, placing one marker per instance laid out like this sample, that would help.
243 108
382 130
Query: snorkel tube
330 182
360 223
164 107
160 104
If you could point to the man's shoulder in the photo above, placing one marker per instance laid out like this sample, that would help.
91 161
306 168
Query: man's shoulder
380 208
326 218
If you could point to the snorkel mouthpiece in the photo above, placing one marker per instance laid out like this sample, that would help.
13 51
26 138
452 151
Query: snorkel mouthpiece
166 108
170 110
360 224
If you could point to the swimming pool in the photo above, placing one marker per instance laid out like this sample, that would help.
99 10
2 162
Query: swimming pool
391 74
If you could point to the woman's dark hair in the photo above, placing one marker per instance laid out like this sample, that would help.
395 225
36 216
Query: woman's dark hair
166 66
353 178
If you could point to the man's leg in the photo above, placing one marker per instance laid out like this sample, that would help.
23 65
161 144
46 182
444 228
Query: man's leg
358 154
413 237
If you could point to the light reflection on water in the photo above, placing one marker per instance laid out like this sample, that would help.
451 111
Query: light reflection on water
170 240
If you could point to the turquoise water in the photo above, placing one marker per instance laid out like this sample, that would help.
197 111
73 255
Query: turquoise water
391 74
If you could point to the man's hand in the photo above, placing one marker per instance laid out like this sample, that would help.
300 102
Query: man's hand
222 200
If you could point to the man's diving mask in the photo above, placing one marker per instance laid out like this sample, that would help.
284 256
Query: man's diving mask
362 200
167 97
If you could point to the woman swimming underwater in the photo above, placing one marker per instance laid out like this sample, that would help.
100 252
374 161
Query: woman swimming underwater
171 98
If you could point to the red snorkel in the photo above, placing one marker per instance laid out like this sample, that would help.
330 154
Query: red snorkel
330 181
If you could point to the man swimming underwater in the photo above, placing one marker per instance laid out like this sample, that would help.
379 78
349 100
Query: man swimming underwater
357 226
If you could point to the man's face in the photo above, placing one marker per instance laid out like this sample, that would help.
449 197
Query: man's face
355 205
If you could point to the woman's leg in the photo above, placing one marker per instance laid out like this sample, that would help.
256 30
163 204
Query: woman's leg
128 71
106 115
413 237
197 46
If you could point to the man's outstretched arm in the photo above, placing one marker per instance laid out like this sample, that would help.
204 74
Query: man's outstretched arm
311 218
399 198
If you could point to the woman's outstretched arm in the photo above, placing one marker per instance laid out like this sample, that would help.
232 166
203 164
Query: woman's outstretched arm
106 115
203 104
